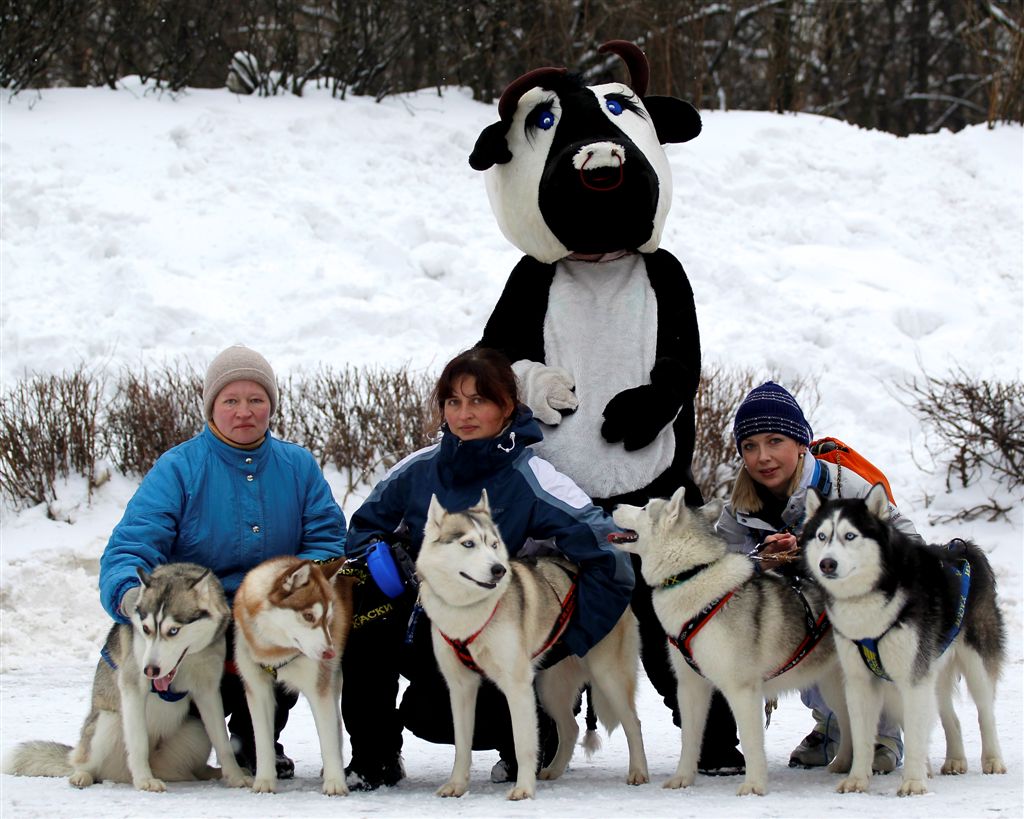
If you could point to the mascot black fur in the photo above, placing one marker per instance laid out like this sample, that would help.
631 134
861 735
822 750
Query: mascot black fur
598 321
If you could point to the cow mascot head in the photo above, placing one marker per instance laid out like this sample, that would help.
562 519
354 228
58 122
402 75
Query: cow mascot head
598 321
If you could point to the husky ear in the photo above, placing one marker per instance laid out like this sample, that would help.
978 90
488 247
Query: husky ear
676 508
331 567
435 512
297 578
483 505
812 503
144 576
712 510
200 579
878 502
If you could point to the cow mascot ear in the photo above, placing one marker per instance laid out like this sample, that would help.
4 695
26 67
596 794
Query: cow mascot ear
491 147
674 119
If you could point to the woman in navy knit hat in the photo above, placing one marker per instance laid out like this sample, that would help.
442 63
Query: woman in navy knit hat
765 515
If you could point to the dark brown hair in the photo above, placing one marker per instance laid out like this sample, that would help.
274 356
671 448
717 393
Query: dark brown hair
495 380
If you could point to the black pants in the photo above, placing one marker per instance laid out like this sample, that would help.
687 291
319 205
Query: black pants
236 707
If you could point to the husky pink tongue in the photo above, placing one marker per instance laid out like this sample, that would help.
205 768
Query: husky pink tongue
164 683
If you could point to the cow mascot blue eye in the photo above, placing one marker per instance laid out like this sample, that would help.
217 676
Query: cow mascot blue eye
546 120
598 319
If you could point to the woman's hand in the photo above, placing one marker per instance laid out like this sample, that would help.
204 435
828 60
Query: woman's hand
777 549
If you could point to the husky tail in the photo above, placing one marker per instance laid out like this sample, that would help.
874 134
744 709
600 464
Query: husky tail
38 758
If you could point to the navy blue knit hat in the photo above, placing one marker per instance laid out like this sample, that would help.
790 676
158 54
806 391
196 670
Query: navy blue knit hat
770 408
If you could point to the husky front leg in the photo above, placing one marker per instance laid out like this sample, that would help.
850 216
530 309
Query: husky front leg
259 693
918 717
136 735
864 703
956 756
463 686
746 705
523 712
211 711
327 718
693 693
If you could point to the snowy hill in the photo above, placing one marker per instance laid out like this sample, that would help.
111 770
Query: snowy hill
137 227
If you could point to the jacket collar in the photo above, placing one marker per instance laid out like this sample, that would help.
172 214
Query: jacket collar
244 459
465 462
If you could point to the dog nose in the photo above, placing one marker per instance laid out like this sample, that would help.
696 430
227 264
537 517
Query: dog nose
152 671
497 571
828 566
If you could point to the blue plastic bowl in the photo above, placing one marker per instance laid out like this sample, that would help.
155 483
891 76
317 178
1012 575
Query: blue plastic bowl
383 569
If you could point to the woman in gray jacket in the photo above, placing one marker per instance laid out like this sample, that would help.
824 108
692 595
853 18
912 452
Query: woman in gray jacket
764 518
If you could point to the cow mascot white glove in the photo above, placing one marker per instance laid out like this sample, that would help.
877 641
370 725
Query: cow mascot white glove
598 321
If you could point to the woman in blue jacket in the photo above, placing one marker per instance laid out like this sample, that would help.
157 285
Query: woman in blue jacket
227 499
484 444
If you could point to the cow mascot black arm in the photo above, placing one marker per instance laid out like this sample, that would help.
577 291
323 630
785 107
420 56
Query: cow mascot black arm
598 321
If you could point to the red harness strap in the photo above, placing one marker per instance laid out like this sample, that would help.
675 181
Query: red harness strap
461 647
691 627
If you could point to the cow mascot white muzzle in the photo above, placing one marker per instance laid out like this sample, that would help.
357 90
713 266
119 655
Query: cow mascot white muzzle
598 321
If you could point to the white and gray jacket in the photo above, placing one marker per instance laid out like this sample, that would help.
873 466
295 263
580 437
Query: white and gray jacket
743 531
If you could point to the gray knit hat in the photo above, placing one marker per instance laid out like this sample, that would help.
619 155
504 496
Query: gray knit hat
237 363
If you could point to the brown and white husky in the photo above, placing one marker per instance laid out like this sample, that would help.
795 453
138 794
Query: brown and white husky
292 618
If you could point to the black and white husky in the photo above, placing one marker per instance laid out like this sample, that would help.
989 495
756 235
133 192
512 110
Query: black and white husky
908 620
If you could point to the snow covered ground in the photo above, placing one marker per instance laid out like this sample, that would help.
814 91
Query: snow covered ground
137 227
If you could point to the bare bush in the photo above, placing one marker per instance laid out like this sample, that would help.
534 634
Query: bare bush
359 420
973 426
721 390
48 431
152 411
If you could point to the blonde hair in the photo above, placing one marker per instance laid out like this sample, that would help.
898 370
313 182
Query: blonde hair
744 489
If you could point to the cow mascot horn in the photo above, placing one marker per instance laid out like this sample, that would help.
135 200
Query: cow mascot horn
598 321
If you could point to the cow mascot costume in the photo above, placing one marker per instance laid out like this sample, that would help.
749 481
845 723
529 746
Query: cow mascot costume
598 321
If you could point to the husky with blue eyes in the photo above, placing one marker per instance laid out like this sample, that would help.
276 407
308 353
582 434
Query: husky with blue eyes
909 620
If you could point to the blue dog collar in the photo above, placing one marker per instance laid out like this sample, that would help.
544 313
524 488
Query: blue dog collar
383 569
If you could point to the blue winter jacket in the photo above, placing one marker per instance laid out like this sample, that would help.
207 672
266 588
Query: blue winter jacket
210 503
531 503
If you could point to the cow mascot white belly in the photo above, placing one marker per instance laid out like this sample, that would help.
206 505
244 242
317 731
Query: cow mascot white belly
598 321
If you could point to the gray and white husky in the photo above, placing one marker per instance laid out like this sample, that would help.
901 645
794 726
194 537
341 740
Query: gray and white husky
750 636
908 620
497 617
139 729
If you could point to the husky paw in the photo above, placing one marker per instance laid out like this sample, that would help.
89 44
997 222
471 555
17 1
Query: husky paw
637 776
548 774
236 780
264 785
751 789
452 788
954 766
518 793
992 765
153 785
912 787
840 764
679 781
853 784
334 786
81 779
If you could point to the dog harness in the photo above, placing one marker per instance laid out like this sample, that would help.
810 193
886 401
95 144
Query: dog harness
568 606
814 629
166 696
868 647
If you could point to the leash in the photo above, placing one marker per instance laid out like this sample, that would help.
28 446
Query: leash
868 647
567 607
166 696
